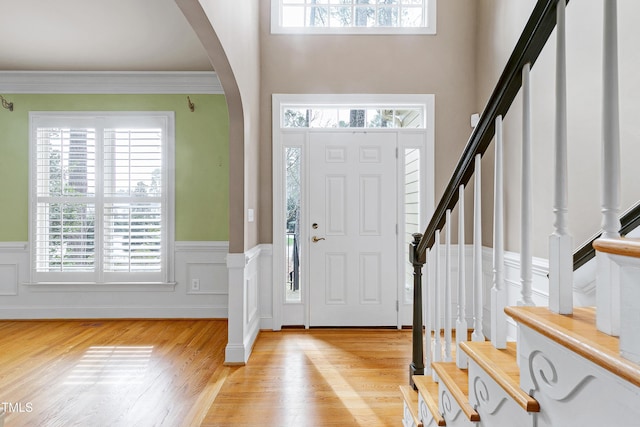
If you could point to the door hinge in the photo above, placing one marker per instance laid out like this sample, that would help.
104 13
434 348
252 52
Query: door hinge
396 152
397 305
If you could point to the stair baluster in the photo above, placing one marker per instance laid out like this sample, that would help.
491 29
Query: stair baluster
447 290
461 322
426 303
478 334
610 125
526 220
608 277
561 242
437 353
498 291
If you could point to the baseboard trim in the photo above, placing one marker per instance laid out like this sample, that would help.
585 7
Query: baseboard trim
235 355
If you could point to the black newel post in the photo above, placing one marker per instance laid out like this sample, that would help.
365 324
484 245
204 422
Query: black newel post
417 361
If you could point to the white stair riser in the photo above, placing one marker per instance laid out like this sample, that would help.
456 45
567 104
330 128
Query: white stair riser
426 417
495 406
407 419
450 409
629 307
571 390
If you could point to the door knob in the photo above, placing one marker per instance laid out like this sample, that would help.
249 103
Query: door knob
315 239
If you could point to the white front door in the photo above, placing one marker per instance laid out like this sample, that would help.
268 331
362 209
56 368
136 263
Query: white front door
352 225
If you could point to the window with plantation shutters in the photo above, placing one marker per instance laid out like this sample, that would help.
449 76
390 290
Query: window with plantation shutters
101 204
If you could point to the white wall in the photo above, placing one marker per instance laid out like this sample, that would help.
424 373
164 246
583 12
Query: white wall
499 26
441 64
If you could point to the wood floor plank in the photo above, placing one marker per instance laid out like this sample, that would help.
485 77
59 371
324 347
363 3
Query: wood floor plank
109 373
170 373
317 378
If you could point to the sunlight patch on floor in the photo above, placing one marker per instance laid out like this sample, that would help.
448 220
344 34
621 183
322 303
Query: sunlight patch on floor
111 365
349 397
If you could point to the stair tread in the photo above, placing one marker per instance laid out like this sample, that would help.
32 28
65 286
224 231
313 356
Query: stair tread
621 246
457 381
410 397
428 388
578 333
502 366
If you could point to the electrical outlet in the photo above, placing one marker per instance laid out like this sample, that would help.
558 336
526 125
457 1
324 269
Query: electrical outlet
195 284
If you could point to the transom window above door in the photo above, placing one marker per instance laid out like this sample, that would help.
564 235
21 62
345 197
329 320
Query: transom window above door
372 116
353 16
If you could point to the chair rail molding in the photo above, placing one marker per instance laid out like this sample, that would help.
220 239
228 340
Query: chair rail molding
205 261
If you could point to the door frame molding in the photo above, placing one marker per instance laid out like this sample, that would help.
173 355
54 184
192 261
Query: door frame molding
427 101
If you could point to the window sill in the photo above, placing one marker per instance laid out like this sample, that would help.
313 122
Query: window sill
354 31
102 287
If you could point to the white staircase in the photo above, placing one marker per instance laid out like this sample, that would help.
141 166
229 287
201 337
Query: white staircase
571 366
564 373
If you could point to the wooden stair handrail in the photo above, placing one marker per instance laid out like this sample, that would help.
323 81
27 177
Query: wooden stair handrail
622 246
533 39
629 221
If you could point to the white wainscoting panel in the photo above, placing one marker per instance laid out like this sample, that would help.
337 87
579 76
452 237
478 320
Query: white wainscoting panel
265 287
205 261
583 287
9 279
14 260
539 285
245 282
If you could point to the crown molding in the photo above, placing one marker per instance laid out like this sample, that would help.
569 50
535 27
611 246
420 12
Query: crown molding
110 82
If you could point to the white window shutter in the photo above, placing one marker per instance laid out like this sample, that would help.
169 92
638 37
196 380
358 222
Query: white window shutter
101 198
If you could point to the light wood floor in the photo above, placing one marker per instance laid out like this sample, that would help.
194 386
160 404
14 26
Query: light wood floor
317 378
108 373
170 373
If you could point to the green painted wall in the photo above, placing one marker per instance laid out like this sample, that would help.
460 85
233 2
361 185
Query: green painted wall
202 158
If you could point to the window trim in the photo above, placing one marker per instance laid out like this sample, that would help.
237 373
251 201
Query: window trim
62 280
428 29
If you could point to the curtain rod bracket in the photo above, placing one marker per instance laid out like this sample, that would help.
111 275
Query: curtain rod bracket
192 106
6 104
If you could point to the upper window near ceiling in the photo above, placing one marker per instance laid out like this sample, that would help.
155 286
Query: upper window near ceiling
353 16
